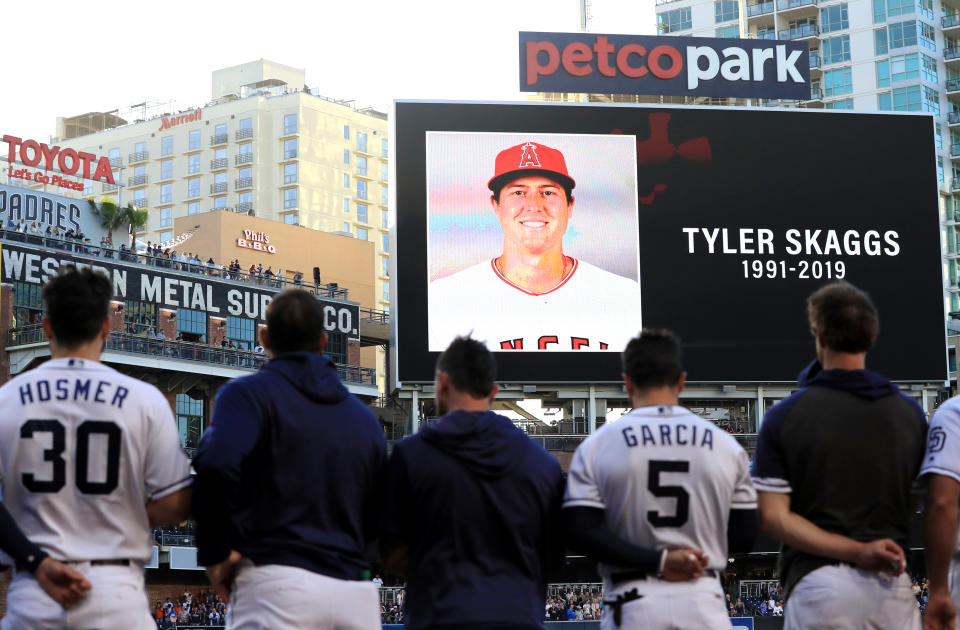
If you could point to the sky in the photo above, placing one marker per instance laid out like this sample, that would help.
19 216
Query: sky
68 58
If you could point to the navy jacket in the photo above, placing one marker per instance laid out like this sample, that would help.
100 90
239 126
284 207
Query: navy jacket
289 471
478 503
847 447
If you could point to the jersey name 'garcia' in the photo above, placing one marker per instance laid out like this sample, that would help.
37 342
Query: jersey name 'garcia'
590 310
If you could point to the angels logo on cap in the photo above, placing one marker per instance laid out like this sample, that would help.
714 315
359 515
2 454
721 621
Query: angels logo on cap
530 158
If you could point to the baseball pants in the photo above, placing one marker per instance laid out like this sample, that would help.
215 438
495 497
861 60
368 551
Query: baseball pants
117 600
667 605
847 598
276 597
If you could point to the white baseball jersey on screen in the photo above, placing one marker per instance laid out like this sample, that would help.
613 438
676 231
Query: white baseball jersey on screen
665 478
82 450
591 310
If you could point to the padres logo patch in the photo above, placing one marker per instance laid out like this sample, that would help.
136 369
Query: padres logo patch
938 438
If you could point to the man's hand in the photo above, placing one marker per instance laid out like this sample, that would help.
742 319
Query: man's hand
941 612
684 564
221 575
65 585
881 555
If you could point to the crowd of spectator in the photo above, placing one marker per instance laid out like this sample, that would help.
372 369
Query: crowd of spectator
570 606
921 590
204 609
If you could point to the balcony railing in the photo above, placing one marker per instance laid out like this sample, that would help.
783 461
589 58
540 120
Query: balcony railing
137 180
184 351
219 164
953 118
816 94
245 206
220 138
766 35
140 203
218 188
243 182
139 156
243 134
243 158
814 59
807 30
109 187
116 162
784 5
955 149
953 85
951 53
761 8
950 21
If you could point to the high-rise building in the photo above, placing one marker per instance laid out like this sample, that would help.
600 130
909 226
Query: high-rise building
868 55
265 145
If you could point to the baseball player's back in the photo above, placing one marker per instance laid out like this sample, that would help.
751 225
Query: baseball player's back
83 448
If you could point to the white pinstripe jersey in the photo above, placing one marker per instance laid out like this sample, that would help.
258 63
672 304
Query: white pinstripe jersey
665 478
82 449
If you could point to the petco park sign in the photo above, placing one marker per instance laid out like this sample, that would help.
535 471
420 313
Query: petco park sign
689 66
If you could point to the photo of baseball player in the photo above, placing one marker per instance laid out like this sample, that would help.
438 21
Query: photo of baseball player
509 257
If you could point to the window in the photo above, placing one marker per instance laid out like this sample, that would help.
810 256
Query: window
220 130
166 236
385 242
940 179
220 178
728 32
140 172
140 147
166 217
139 316
925 7
193 207
672 21
245 197
189 421
879 11
927 36
346 204
140 195
383 147
346 132
219 203
931 100
193 140
884 102
346 226
362 213
290 148
836 49
897 8
245 173
336 349
88 187
166 193
846 103
289 124
27 304
903 67
384 172
363 234
346 156
726 10
193 164
361 189
166 169
346 180
386 292
903 34
907 99
384 218
246 123
384 266
166 145
291 218
361 165
839 81
880 41
883 73
928 68
221 153
114 155
290 173
191 323
384 196
834 18
938 135
193 187
361 141
289 198
243 331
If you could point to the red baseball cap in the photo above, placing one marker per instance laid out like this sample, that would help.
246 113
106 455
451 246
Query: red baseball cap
529 158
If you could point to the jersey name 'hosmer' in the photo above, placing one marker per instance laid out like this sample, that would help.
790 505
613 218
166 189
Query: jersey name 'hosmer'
82 450
590 310
684 474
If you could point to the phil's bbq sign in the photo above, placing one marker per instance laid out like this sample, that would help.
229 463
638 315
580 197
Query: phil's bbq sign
688 66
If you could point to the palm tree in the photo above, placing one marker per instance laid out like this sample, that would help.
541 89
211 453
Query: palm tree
114 217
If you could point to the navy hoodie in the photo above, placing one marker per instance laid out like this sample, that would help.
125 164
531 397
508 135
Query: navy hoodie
289 471
847 447
478 504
